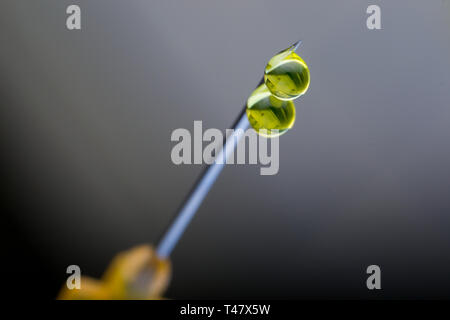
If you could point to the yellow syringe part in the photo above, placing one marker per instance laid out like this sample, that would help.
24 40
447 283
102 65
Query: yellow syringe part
134 274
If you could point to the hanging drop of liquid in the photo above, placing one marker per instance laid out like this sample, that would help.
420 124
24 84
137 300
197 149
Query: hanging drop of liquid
265 111
287 75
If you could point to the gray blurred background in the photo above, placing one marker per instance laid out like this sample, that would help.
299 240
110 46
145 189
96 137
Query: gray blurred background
86 118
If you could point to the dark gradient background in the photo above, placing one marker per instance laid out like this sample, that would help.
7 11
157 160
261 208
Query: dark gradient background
86 118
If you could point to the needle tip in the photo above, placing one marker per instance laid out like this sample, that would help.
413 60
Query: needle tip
296 45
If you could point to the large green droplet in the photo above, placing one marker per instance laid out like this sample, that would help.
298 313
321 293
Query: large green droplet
287 75
265 111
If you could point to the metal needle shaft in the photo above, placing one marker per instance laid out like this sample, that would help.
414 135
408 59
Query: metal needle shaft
200 190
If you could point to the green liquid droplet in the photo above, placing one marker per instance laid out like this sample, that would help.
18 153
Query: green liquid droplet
287 75
265 111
